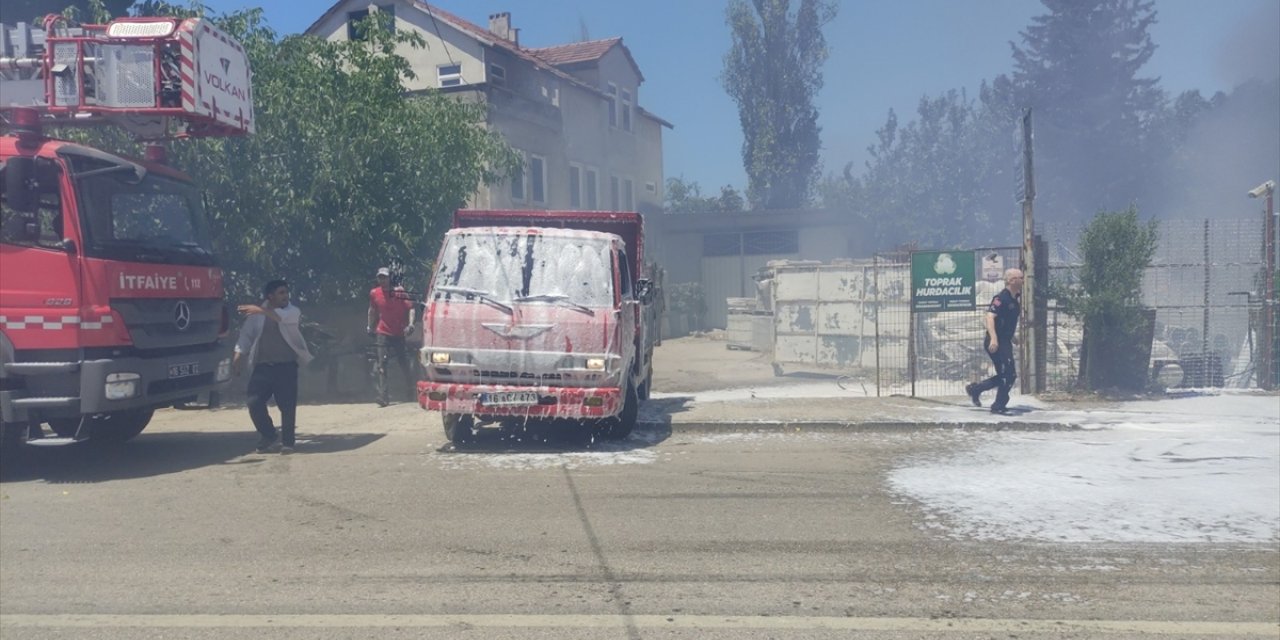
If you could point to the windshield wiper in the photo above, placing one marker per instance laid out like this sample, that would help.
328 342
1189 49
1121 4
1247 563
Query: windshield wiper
483 295
138 172
558 298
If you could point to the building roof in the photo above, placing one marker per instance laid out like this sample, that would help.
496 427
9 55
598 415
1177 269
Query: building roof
587 51
484 36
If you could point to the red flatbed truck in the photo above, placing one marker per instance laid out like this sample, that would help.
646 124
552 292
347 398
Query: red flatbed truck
539 315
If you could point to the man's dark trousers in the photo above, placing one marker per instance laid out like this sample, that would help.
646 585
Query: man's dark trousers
388 346
1006 373
279 380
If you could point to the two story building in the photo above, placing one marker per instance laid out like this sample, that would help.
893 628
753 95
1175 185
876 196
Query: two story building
572 110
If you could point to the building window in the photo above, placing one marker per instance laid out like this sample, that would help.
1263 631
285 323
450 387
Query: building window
751 243
449 75
628 197
626 110
759 243
354 17
611 97
721 244
497 74
593 198
615 195
575 186
517 184
537 179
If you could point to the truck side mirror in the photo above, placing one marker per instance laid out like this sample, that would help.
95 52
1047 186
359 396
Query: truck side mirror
19 187
644 290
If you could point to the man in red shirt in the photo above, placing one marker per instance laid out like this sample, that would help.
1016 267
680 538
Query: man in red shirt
390 321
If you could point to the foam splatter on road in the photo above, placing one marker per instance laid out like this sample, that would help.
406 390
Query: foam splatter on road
1198 469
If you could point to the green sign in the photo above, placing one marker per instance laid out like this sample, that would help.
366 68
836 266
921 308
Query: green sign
942 281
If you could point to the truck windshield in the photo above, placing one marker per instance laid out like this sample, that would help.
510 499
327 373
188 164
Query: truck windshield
528 268
152 219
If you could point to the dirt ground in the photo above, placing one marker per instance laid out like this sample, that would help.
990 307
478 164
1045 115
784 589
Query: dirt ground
705 363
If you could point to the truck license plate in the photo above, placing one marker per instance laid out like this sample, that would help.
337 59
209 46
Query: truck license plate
509 398
184 369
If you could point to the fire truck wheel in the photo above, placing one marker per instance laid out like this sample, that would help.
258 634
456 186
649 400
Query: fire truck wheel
11 437
119 426
459 428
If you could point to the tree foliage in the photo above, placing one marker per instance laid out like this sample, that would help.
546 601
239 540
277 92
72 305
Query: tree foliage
1116 249
1078 69
685 196
345 171
1105 137
932 182
773 71
31 11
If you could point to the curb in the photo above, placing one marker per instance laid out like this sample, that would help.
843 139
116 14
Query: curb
800 426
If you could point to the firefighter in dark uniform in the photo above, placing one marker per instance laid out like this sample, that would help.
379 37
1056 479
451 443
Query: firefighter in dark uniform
1001 323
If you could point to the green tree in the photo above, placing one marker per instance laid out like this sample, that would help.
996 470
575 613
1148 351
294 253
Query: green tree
730 201
932 182
345 171
83 10
685 196
773 71
1116 249
1078 68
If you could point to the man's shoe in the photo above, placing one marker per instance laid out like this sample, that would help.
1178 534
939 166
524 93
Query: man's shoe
286 450
267 446
383 403
975 396
1004 411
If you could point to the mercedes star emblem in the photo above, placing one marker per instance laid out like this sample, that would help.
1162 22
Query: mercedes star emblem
182 316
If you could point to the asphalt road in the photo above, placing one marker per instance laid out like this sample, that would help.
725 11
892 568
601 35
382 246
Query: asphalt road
375 528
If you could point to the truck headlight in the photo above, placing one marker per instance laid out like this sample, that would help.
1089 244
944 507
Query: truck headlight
595 364
439 357
224 370
121 386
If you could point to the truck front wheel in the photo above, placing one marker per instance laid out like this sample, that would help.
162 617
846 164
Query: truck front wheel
459 428
619 427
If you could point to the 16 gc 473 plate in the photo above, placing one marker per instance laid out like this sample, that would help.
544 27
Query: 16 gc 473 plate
509 398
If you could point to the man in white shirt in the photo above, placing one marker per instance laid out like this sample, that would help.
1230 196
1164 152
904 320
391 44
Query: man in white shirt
272 342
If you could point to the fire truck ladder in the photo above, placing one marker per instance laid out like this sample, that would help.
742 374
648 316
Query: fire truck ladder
155 77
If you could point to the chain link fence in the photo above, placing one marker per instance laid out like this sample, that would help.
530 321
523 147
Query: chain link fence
1202 292
1204 286
933 354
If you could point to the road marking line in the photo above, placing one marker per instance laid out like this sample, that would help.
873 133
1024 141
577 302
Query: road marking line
1030 626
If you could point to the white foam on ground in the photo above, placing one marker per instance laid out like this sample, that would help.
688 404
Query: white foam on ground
1196 469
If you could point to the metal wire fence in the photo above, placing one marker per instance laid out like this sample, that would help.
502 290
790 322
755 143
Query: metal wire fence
1202 293
1204 285
933 354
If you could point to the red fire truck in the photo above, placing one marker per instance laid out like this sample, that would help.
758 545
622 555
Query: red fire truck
111 299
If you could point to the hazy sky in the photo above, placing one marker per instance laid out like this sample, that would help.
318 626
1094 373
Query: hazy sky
885 54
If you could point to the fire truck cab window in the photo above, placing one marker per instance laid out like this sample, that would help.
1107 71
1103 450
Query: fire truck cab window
47 216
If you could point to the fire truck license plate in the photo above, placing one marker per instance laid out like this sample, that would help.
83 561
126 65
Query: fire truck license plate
184 369
509 398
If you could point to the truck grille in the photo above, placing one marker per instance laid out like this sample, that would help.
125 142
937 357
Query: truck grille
518 375
153 323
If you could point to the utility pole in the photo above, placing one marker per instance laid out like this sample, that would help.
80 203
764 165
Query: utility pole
1029 332
1266 364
